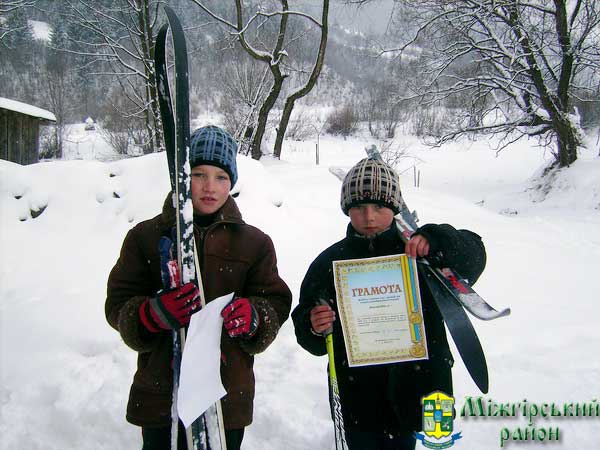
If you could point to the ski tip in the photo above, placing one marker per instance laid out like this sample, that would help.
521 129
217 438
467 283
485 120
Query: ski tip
484 388
493 315
338 172
481 377
504 312
479 373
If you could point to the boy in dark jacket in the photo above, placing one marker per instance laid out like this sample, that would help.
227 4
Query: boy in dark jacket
234 257
381 404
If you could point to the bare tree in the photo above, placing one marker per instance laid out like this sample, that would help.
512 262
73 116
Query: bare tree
273 57
308 85
124 136
120 35
343 120
382 112
245 85
56 78
521 65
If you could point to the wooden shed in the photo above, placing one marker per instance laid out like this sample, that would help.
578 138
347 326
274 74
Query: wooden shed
20 130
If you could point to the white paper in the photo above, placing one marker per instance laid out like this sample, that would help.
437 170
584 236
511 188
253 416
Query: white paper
200 378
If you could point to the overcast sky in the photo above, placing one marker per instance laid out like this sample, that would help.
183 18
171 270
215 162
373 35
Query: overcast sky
372 17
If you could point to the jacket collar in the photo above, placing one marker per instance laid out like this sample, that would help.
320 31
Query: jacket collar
229 212
384 241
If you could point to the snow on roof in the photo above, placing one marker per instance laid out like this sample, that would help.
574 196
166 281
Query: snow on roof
24 108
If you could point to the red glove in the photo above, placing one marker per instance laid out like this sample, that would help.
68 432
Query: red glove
240 318
170 310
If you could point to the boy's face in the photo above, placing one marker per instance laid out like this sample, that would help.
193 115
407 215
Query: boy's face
370 218
210 189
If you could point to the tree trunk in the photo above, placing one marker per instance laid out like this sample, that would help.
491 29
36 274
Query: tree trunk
151 113
557 106
283 124
567 142
263 113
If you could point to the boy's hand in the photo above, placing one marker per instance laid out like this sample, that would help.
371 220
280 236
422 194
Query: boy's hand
170 310
417 246
321 318
240 318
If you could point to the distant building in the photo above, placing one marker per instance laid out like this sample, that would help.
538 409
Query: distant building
20 130
90 125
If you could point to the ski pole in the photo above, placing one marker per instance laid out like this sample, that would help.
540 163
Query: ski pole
338 419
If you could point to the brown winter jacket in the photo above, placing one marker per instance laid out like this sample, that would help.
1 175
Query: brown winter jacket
234 257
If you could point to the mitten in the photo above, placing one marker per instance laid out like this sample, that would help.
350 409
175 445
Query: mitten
171 309
240 318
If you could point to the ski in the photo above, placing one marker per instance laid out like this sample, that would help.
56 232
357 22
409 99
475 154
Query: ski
456 319
338 172
164 100
169 136
460 327
458 287
207 432
467 296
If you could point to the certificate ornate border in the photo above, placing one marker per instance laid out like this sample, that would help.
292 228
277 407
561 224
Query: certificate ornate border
407 271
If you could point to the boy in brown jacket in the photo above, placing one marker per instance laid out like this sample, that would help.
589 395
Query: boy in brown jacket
234 257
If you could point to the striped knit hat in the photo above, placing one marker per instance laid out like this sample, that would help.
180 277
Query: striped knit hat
216 147
371 181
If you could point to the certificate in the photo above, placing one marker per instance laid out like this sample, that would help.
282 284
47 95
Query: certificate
379 306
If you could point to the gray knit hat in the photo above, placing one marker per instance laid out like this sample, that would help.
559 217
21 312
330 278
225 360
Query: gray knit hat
216 147
371 181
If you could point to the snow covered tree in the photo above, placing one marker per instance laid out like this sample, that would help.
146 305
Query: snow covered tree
56 78
519 65
15 34
119 39
13 22
266 36
17 51
244 86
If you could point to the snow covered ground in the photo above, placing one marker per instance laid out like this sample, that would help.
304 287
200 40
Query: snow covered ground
65 374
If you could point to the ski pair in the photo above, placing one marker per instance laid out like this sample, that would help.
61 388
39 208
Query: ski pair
207 432
456 319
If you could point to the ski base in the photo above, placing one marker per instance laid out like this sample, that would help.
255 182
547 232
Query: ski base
467 297
460 328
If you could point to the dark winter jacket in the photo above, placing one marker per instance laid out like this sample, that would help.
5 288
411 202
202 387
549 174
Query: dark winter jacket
235 257
386 398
